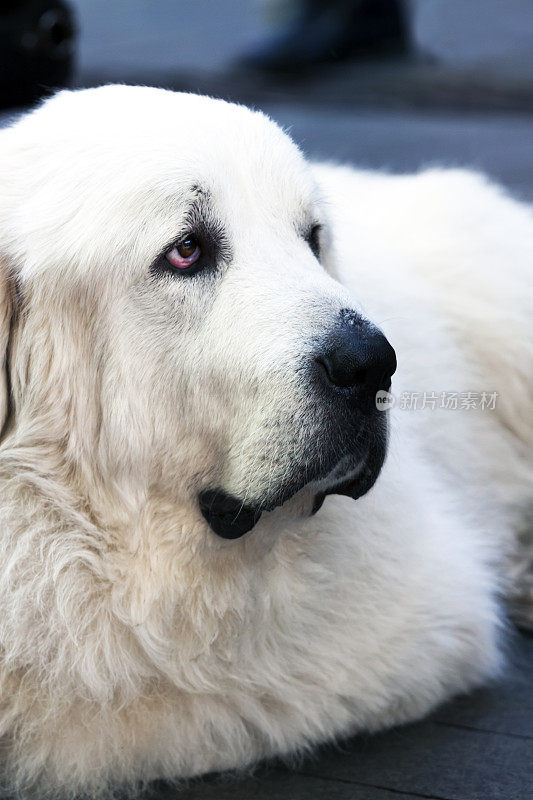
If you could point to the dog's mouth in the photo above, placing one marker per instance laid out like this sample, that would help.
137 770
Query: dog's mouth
230 517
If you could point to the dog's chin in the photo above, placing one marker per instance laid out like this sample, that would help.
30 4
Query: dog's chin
229 517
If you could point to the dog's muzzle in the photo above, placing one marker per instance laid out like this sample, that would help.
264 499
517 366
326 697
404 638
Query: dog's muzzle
354 362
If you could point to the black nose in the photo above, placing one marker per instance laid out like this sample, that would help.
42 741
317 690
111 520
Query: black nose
357 355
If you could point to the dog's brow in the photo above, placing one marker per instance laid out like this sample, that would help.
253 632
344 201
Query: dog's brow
200 208
202 218
199 191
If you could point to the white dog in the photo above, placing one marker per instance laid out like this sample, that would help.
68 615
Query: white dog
187 332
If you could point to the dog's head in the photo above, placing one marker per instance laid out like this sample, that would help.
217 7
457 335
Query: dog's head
166 268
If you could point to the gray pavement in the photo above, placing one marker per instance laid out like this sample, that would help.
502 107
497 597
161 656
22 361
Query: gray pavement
479 747
207 35
467 54
173 35
400 141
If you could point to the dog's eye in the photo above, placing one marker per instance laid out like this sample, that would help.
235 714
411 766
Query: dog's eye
313 239
184 254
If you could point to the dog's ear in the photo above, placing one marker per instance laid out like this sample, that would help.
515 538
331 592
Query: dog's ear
6 307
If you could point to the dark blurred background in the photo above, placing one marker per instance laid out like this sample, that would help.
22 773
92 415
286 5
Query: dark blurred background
382 83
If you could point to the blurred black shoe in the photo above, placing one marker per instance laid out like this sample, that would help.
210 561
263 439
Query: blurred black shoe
36 49
333 31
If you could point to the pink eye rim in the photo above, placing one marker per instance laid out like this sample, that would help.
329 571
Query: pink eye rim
184 254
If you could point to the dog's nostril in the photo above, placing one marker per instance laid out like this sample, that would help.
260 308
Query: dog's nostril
361 376
339 372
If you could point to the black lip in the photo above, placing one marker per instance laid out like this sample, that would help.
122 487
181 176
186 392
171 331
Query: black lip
226 514
354 488
230 518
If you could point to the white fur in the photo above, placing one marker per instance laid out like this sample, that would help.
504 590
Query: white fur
134 643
